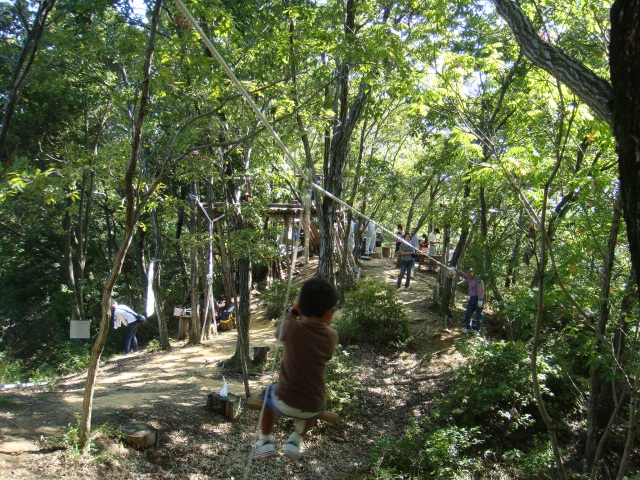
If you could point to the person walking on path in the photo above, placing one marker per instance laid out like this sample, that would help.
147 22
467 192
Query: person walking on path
475 302
406 253
121 315
309 343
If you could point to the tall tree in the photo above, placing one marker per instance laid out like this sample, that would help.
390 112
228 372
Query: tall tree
21 68
347 114
616 103
133 205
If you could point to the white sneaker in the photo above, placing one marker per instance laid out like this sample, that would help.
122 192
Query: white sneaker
264 450
292 447
291 450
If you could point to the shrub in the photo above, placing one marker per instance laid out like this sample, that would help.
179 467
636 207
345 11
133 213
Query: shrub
10 370
441 453
343 387
493 389
373 314
538 463
275 297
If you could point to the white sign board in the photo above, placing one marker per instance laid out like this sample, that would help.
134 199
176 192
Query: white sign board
80 329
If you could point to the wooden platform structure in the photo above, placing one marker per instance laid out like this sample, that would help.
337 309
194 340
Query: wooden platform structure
287 212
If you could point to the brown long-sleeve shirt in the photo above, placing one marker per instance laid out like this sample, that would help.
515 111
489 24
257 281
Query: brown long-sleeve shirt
308 347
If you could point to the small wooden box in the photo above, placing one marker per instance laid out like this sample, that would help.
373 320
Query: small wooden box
228 406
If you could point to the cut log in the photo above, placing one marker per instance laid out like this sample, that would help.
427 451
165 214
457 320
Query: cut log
255 403
140 435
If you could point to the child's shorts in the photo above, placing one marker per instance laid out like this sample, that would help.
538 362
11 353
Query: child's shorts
280 408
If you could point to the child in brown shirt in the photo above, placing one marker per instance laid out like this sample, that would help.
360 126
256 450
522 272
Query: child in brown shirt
309 343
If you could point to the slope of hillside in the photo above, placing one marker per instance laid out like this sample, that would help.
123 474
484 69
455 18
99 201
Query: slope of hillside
169 389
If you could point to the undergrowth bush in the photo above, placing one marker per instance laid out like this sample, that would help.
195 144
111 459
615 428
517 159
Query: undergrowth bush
373 314
69 357
489 412
427 453
343 387
275 298
10 370
493 389
537 463
69 438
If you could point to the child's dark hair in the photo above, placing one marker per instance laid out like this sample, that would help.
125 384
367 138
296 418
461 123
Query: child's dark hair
316 297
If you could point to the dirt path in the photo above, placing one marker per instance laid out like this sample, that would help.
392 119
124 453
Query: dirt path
169 389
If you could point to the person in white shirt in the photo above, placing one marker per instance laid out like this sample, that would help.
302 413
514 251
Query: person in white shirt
434 241
370 237
121 315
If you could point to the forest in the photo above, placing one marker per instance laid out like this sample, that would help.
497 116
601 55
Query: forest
144 150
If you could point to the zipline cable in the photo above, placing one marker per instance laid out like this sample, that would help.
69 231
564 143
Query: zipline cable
291 161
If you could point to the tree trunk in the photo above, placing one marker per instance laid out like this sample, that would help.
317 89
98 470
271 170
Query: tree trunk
448 290
511 276
625 77
194 329
163 328
69 271
226 266
601 402
244 313
542 265
336 157
19 76
132 213
179 254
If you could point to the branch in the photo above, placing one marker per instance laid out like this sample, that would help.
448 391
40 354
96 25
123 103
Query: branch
19 77
592 89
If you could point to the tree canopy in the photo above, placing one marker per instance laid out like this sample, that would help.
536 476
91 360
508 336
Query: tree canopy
503 122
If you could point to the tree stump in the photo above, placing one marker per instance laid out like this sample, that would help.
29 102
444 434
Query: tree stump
228 406
260 354
140 435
